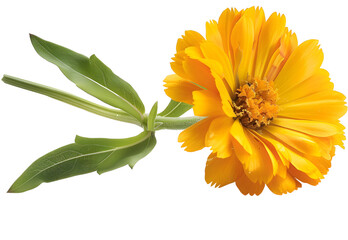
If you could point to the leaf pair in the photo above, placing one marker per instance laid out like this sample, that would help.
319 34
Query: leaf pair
92 76
84 156
91 154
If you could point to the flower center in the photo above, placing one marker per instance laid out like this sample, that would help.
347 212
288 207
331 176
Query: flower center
255 103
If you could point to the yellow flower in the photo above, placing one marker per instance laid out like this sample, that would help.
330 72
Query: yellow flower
271 111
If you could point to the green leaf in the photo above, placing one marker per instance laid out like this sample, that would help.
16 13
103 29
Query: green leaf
152 117
84 156
175 109
125 151
92 76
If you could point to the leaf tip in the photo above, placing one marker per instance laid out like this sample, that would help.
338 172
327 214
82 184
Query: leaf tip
131 166
32 36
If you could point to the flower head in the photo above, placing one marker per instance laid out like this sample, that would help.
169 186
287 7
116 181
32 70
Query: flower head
271 111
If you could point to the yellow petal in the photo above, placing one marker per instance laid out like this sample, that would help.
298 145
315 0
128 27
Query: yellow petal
218 137
321 163
242 40
272 153
258 165
191 38
279 147
318 82
226 99
194 52
193 137
269 38
206 103
197 54
338 140
323 106
299 141
304 165
258 18
315 128
246 186
226 23
179 89
177 64
279 151
217 71
302 63
222 171
212 51
303 177
199 74
213 34
288 43
238 133
280 185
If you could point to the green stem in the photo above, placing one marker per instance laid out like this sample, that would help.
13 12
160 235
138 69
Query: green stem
175 123
71 99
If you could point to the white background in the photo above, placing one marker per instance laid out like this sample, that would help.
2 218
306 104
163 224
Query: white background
165 196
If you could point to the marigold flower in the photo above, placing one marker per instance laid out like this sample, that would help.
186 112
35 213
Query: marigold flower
271 111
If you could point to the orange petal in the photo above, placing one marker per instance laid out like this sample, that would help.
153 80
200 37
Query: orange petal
218 71
226 99
193 137
226 23
288 43
219 138
302 63
194 52
299 141
269 38
280 185
322 106
246 186
315 128
279 147
212 51
242 41
258 165
199 73
338 140
179 89
206 103
222 171
318 82
191 38
322 164
303 177
213 34
177 64
272 153
304 165
238 133
258 18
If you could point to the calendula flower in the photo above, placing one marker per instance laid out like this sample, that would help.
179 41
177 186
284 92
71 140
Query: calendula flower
271 111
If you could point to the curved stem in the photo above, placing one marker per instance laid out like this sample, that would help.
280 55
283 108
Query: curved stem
174 123
71 99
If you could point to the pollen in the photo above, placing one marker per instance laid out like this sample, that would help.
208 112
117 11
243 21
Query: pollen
255 103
